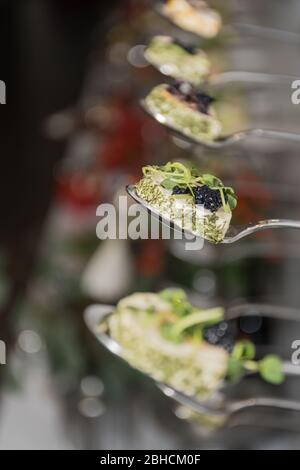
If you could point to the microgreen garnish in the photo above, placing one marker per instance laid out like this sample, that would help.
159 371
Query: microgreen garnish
188 316
242 361
243 350
178 300
168 183
176 174
198 318
270 369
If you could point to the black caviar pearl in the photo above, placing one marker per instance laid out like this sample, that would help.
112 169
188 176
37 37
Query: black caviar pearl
222 334
210 198
179 190
187 93
187 47
203 102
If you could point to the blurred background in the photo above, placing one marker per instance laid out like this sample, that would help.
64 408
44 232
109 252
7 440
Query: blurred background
72 136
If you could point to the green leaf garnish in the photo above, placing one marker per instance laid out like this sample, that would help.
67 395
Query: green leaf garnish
173 295
235 369
178 300
189 317
270 369
243 350
200 317
241 360
211 181
177 174
224 204
230 191
166 330
232 202
168 183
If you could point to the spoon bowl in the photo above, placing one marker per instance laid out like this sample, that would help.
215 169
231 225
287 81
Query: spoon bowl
218 406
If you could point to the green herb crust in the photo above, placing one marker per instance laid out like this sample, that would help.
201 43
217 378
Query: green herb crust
173 60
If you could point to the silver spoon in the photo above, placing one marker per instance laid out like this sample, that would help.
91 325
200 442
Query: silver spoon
222 78
234 77
233 234
230 139
254 30
96 319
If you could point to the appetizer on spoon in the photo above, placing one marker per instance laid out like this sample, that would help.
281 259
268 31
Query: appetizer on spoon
195 204
189 348
194 16
178 61
166 338
186 110
200 204
191 64
197 17
192 114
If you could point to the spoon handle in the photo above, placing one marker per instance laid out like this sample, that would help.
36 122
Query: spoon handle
262 225
238 76
263 310
264 32
268 402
